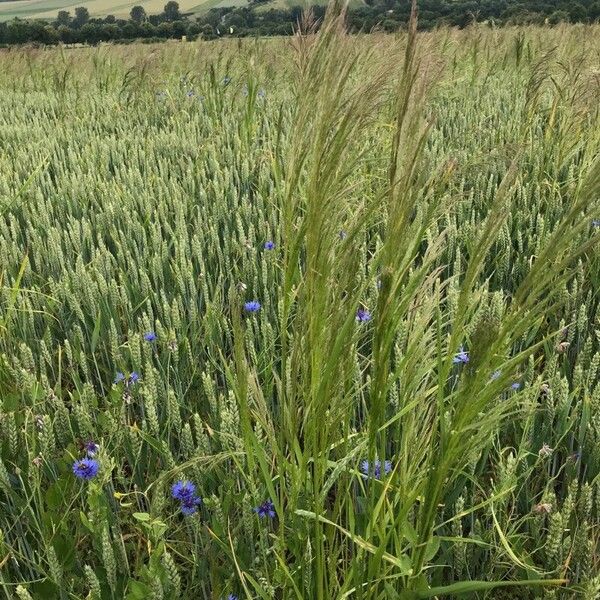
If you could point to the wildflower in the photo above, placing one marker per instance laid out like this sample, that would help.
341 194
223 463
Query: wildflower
86 468
562 347
266 509
496 374
367 471
150 336
120 377
183 490
596 223
190 93
269 245
189 505
544 389
343 235
515 386
38 460
461 358
226 80
91 448
545 450
252 306
261 94
232 597
363 315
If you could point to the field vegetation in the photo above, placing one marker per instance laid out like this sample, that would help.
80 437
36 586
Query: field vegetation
307 319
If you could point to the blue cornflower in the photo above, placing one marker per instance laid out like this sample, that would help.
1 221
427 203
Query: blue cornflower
245 89
252 306
189 505
232 597
496 374
261 93
515 386
367 471
266 509
150 336
183 490
226 80
86 468
343 235
596 223
363 315
461 358
91 448
133 378
269 245
190 93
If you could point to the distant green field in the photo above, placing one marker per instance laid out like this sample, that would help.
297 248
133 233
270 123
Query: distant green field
45 9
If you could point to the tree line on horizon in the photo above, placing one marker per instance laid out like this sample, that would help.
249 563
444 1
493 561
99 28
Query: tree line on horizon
386 15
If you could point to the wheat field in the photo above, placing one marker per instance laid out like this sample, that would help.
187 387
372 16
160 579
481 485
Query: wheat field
313 318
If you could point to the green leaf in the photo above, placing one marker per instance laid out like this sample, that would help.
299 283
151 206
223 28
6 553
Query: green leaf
467 587
141 516
402 562
136 590
86 522
433 545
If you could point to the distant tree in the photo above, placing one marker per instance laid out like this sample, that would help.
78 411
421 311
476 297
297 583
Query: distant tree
207 31
558 16
171 11
594 11
165 30
138 14
51 35
66 34
147 30
110 19
82 16
63 18
90 33
130 31
577 12
111 31
179 28
18 32
192 30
